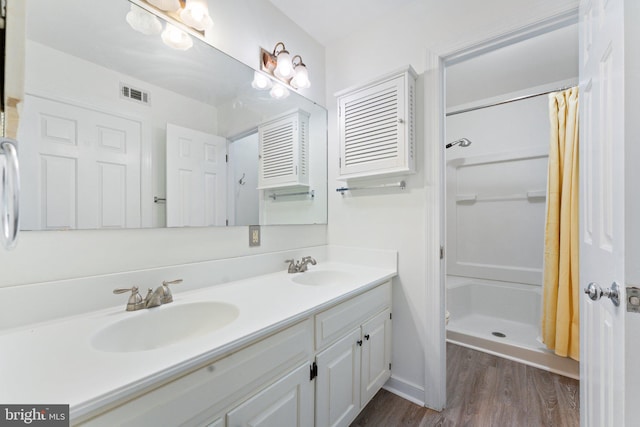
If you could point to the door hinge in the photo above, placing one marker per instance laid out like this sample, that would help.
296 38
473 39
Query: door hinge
390 316
226 222
226 158
339 162
313 371
441 252
389 366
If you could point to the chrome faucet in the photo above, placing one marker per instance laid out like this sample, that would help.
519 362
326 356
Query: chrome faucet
162 295
300 266
305 262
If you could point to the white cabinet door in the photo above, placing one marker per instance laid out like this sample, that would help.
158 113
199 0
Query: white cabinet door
338 382
287 403
196 178
376 127
376 355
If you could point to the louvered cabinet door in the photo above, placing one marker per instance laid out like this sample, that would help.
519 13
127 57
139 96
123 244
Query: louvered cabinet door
283 149
377 130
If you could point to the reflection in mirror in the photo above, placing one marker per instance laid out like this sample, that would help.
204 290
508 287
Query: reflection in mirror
119 130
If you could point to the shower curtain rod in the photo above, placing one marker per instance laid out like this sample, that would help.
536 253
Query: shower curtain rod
517 98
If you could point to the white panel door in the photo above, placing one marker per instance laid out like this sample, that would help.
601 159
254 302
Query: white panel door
287 403
80 167
376 355
338 382
196 178
602 329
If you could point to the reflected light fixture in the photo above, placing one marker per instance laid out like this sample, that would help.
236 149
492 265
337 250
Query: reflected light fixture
261 81
278 91
279 64
174 37
166 5
195 14
143 21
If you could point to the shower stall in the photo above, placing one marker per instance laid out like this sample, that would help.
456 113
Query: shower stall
495 214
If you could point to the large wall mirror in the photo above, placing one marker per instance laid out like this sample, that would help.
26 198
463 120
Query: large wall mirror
119 130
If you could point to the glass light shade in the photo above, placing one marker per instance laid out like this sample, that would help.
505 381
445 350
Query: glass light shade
301 78
143 21
169 5
279 92
284 69
196 14
176 38
260 81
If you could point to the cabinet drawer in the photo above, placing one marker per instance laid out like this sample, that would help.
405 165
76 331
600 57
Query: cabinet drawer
331 323
201 394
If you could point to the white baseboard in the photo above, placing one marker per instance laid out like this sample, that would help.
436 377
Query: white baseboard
405 389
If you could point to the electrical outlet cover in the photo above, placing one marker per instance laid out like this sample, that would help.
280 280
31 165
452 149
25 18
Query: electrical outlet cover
254 235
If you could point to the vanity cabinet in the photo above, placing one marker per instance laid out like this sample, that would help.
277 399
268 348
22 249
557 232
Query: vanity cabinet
353 367
319 372
217 391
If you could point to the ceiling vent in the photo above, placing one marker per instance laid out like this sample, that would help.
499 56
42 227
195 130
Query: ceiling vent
137 95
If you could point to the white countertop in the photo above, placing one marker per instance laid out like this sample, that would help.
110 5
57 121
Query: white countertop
55 363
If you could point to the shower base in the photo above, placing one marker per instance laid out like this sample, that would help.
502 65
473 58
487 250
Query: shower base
502 319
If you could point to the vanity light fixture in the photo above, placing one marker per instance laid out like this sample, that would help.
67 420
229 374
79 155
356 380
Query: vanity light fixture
300 78
280 65
176 38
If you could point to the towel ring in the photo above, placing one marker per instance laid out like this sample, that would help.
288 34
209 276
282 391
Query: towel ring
10 209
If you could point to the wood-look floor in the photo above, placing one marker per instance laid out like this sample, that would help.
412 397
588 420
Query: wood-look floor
484 390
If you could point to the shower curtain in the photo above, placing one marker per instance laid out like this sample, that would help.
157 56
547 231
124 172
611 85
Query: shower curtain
561 317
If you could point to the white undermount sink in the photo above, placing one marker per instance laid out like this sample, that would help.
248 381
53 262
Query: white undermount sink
162 326
323 278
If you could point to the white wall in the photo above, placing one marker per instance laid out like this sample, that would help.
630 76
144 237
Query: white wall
397 221
241 27
245 196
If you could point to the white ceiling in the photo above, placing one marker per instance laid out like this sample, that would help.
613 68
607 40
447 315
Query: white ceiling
329 20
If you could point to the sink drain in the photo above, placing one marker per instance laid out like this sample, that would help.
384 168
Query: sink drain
498 334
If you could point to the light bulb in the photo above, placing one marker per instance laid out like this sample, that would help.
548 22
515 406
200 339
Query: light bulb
176 38
168 5
196 15
143 21
284 69
279 92
301 78
260 81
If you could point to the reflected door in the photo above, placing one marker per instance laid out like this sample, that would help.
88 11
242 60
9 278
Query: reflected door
80 167
196 178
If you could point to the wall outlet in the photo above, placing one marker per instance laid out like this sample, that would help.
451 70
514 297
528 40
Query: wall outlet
254 235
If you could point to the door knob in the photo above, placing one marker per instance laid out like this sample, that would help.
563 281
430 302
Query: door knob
595 292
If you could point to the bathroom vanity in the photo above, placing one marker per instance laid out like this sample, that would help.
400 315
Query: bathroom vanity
274 349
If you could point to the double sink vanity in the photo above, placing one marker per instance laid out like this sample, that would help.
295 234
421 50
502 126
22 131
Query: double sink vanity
259 347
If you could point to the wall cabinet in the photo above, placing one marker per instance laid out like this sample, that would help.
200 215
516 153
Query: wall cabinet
377 127
283 147
283 380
